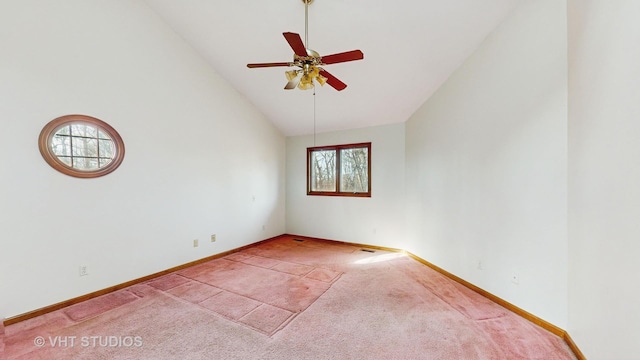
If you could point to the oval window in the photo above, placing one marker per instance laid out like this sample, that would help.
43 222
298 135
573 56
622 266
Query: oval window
81 146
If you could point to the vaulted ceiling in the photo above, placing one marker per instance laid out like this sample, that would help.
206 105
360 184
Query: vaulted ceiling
410 49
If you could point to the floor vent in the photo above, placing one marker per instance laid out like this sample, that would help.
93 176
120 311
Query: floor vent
298 240
368 250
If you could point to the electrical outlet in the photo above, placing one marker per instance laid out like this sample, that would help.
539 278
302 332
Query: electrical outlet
83 270
195 243
479 264
213 237
515 279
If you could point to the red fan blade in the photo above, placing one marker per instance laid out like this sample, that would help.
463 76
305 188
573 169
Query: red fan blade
333 81
295 41
343 57
268 65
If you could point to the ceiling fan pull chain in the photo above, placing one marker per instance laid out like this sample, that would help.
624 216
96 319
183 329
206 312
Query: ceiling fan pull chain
314 116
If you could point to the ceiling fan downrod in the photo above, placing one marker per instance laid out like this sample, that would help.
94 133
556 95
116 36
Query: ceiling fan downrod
306 22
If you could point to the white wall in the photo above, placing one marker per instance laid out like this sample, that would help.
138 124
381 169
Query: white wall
486 165
604 177
378 220
199 158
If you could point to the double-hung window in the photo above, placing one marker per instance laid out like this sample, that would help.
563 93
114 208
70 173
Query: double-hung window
339 170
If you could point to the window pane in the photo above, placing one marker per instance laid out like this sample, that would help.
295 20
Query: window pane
61 145
84 130
103 135
323 164
104 162
353 170
85 163
64 130
65 159
85 147
106 149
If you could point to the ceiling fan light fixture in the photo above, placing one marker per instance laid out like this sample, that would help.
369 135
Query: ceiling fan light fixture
291 74
305 86
306 83
321 80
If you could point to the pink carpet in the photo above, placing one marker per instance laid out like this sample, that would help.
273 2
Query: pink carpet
1 337
286 299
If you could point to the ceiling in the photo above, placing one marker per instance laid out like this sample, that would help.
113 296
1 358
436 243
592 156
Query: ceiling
410 48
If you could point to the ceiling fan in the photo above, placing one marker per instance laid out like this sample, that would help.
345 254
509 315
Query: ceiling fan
309 61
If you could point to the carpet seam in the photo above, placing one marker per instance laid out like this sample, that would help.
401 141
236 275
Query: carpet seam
281 326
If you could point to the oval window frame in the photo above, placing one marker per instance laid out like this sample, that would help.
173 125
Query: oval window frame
49 130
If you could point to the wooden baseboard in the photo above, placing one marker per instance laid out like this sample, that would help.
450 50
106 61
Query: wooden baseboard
302 237
63 304
572 345
507 305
